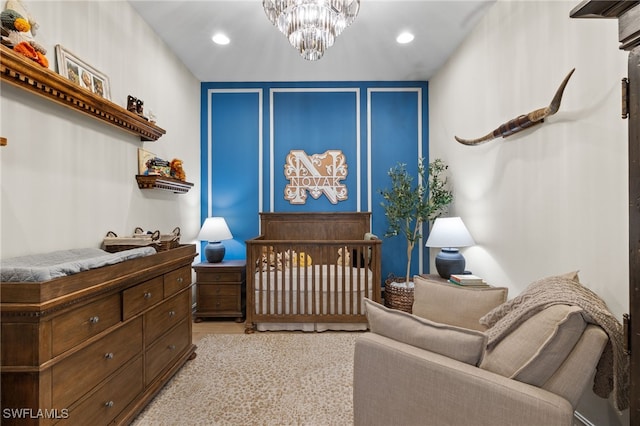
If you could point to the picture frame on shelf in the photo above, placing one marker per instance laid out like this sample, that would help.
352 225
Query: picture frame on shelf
143 157
81 73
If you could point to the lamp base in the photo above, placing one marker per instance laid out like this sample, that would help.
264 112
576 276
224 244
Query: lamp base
449 261
214 252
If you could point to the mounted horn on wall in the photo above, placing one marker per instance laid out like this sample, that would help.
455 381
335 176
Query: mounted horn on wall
524 121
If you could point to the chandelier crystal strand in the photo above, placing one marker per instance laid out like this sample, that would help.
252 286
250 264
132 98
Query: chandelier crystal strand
311 26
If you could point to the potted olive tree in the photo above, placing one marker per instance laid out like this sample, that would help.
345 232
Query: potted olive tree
409 204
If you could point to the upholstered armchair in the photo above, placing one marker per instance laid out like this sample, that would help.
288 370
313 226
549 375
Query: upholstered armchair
442 366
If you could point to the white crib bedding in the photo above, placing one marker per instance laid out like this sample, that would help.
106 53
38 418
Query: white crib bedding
276 292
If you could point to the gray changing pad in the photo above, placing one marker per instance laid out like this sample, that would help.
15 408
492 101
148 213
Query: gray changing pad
44 267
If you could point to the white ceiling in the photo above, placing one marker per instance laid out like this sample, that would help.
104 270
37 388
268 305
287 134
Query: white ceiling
366 51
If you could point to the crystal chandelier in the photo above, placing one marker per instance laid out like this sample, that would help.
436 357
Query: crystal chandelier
311 25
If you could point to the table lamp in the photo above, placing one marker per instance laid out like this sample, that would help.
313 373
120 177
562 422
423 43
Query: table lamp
214 230
449 233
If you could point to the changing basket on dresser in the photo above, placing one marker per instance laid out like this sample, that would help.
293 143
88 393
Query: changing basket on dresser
96 346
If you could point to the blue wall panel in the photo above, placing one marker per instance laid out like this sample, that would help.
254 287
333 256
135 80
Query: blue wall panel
395 122
249 128
314 122
232 147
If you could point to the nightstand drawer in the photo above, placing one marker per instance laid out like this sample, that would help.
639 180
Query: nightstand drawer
220 304
101 358
217 290
175 281
78 325
137 299
163 317
217 277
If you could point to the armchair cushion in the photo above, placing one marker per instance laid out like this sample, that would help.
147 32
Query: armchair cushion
455 305
533 351
454 342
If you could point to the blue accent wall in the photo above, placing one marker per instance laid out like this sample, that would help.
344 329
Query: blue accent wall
249 128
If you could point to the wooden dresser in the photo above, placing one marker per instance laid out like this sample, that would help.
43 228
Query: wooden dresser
95 347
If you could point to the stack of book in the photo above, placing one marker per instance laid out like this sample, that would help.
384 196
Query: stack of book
467 280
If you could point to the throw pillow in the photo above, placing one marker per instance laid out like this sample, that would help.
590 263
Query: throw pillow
454 342
533 351
455 305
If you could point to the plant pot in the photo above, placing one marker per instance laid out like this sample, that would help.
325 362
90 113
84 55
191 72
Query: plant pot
396 296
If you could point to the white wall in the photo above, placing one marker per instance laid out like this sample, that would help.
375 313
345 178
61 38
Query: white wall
67 179
554 198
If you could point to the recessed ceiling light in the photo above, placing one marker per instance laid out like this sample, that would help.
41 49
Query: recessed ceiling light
404 38
220 38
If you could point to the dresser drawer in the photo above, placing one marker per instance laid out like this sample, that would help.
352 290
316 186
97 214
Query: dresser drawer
163 317
67 330
102 406
82 371
175 281
220 276
161 354
137 299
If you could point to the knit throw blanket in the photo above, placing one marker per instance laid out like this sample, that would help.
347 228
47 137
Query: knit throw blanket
612 371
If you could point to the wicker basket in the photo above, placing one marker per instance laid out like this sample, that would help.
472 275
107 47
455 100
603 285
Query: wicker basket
113 244
398 297
166 241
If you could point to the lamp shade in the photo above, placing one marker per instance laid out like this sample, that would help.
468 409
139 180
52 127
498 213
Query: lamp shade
449 232
214 230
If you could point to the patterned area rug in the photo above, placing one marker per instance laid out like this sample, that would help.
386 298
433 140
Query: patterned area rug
261 379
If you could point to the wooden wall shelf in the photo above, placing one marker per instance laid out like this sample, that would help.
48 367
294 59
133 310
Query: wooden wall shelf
29 75
164 183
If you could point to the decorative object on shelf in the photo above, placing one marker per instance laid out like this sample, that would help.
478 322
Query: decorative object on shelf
21 72
165 183
143 157
81 73
19 30
131 103
158 167
136 106
524 121
318 173
311 26
214 230
177 171
449 233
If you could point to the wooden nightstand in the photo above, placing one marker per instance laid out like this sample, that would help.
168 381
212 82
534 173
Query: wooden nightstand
220 290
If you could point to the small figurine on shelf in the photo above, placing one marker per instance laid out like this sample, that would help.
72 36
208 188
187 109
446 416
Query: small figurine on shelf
131 103
176 169
18 32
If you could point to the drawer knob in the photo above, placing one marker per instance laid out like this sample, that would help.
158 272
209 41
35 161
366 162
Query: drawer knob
108 355
179 280
147 295
108 404
172 347
172 313
94 320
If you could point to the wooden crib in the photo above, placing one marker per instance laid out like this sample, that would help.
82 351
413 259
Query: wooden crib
311 271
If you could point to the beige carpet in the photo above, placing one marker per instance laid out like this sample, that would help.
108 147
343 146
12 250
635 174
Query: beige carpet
261 379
